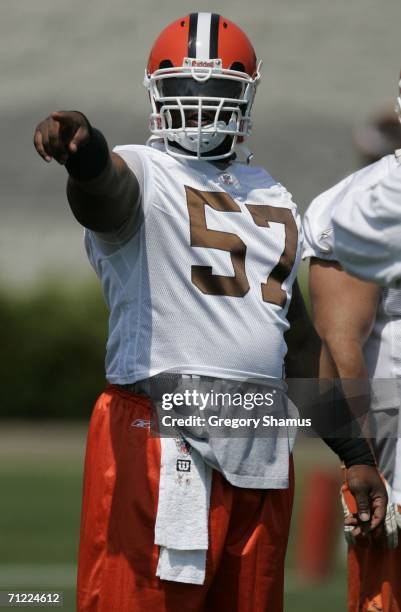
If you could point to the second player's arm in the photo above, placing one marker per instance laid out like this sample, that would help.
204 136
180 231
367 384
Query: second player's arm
306 357
344 311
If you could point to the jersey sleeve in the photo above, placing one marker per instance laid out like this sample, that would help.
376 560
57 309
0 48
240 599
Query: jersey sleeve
367 231
317 223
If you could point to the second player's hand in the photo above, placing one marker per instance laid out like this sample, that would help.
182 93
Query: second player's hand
60 135
370 495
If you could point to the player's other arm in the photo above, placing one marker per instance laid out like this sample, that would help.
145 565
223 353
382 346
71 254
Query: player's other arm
344 311
102 191
302 359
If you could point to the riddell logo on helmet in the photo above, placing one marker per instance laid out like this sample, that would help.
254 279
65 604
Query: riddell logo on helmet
195 63
202 64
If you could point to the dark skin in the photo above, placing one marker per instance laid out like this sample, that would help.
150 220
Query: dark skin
102 204
105 203
344 311
305 355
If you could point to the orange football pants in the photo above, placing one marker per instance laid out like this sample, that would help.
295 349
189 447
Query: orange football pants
374 578
374 572
248 528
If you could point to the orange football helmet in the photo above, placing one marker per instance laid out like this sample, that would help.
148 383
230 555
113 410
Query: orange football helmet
201 76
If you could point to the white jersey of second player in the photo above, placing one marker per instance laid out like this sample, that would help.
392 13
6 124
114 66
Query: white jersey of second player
367 229
203 286
382 351
383 348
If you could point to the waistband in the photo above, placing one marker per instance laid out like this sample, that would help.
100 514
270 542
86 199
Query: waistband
169 382
163 383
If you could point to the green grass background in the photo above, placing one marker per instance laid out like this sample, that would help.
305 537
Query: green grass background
62 340
41 479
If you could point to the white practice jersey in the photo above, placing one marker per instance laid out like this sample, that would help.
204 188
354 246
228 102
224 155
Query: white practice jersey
367 227
383 348
382 351
203 286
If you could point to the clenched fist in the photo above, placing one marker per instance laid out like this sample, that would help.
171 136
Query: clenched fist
60 135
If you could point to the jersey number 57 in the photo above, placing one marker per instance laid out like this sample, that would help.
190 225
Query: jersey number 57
201 236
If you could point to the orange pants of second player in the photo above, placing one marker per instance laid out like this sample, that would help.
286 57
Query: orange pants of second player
374 578
248 529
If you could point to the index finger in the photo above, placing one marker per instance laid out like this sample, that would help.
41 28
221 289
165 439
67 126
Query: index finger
38 142
80 138
62 117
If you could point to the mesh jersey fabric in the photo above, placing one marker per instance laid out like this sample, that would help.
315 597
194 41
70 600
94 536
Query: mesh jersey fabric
371 224
160 320
382 350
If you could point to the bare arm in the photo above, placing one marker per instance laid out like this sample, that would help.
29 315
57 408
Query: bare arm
103 192
105 203
344 311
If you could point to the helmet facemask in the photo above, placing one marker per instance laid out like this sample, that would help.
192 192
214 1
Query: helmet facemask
201 108
398 103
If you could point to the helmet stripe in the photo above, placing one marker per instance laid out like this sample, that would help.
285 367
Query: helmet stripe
203 36
214 36
193 27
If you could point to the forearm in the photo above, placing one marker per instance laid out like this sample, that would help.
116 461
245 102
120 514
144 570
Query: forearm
341 406
347 356
345 360
344 314
104 203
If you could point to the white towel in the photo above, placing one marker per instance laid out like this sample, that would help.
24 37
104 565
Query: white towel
181 528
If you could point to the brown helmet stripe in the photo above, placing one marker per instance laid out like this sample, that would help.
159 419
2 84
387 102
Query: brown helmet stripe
193 28
214 36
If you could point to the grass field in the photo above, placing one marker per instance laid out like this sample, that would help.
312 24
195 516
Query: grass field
40 480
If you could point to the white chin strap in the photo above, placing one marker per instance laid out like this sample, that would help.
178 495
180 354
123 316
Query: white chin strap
208 140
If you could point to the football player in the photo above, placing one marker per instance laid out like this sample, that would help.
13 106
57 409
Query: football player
359 324
197 254
367 225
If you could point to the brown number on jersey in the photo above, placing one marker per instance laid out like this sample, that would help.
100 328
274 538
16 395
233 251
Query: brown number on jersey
262 214
201 236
